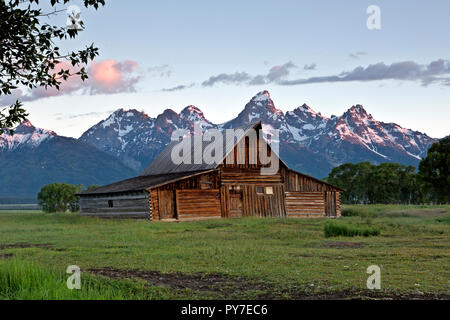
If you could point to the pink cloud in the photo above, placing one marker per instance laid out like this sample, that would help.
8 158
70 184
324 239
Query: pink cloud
110 76
105 77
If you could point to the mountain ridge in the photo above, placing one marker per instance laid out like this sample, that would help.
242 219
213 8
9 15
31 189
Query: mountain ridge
351 137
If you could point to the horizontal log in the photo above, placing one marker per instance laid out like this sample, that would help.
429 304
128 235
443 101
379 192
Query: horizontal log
200 218
112 197
119 214
213 214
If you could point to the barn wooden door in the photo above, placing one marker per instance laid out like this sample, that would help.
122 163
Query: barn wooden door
167 204
330 204
235 204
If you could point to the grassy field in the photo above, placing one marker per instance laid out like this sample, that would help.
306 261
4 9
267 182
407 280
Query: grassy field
235 258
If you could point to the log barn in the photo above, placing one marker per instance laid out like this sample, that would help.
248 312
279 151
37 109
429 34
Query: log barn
165 191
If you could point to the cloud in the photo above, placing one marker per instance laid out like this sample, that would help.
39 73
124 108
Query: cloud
357 55
236 78
105 77
61 116
160 71
275 74
110 76
278 72
435 71
178 88
311 66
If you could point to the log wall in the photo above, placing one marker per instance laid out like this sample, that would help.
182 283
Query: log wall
197 204
332 204
305 204
294 181
126 205
154 204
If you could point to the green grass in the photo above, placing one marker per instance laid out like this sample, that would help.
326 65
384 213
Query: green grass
19 280
281 258
332 229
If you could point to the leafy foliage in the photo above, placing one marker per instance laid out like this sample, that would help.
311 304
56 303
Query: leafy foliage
365 183
59 197
29 56
434 170
385 183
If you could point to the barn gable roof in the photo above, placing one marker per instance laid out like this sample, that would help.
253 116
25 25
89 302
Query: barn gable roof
163 163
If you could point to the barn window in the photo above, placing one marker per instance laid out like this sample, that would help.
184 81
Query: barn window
110 204
264 190
269 190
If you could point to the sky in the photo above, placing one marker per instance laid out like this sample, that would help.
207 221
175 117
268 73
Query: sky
216 55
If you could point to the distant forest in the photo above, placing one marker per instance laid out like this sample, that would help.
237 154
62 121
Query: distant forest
366 183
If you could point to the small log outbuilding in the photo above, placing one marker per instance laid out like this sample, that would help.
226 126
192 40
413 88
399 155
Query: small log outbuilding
231 188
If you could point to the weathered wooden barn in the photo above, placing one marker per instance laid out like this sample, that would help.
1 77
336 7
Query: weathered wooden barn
232 188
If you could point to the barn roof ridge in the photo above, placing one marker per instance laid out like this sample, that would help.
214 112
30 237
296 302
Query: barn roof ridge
163 162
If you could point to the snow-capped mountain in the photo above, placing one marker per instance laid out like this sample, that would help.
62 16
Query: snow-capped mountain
25 135
310 141
34 157
135 138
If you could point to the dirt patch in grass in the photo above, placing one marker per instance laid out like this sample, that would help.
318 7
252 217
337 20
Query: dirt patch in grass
301 255
218 225
227 286
6 256
195 281
342 244
25 245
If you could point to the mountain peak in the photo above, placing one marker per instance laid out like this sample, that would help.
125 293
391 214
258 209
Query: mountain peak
27 123
191 110
26 127
195 115
25 134
262 96
305 108
357 109
130 113
262 103
168 113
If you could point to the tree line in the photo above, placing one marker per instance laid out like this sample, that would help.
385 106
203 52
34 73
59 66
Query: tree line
367 183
